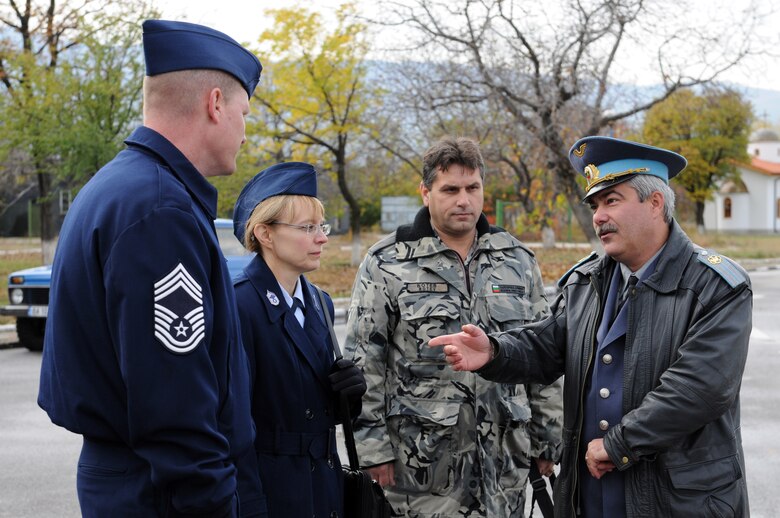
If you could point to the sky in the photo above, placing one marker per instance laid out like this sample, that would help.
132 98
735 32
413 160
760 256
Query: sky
244 20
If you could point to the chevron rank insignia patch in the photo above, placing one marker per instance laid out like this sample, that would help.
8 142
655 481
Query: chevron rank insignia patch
178 311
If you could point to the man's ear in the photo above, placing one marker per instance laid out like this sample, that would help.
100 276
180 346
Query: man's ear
216 102
657 200
425 193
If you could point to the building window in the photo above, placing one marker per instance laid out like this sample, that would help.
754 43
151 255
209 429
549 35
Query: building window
755 152
778 209
727 208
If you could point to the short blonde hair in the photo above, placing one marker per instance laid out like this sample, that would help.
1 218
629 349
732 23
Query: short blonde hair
178 93
275 208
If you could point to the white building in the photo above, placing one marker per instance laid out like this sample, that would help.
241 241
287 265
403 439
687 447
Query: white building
751 204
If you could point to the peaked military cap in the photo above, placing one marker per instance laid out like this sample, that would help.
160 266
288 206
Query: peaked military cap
606 161
286 178
170 46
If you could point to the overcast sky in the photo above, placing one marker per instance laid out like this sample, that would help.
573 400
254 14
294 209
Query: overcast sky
244 20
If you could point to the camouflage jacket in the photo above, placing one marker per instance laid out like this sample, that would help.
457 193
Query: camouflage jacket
461 445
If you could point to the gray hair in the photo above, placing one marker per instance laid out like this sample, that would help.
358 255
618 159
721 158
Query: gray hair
645 185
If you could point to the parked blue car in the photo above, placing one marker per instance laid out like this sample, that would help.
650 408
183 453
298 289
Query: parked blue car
28 290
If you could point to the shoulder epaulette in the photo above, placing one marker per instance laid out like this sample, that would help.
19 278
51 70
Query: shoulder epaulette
588 258
724 266
510 239
382 243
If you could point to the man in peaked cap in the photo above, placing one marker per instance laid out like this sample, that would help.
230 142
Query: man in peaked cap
652 338
143 352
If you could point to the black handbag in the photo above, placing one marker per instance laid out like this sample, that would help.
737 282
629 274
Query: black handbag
363 497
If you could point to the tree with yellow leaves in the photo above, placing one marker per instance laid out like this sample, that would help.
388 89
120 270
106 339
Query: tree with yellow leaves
314 93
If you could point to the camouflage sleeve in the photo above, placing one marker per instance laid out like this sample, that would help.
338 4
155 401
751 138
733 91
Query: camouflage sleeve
368 328
546 400
546 419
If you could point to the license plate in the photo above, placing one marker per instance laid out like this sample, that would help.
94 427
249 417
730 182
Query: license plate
38 311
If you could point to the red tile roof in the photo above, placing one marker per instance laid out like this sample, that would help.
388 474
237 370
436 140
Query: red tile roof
763 167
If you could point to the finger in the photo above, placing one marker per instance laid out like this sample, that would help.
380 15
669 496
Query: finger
471 330
438 341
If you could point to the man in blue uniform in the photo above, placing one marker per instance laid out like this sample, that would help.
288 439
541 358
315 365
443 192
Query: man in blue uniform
652 338
142 353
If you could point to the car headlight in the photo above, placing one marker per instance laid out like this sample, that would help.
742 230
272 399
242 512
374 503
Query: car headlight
17 296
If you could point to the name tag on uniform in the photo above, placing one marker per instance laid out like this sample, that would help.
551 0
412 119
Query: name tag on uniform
509 288
427 287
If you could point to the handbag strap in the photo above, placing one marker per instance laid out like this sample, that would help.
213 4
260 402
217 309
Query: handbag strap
540 494
349 437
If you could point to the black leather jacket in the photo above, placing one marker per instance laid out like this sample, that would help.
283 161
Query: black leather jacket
679 440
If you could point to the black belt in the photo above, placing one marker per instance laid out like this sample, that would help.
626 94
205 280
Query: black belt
317 445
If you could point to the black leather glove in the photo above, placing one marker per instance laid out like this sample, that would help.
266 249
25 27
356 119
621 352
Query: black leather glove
348 381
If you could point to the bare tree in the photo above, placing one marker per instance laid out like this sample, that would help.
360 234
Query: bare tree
556 68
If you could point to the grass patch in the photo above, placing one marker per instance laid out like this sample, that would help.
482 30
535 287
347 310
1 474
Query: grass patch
743 246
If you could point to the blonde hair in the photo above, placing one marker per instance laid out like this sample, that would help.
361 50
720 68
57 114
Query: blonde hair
275 208
178 93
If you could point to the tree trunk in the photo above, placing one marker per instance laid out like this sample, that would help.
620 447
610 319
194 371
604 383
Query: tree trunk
574 194
357 251
49 208
548 236
700 217
354 206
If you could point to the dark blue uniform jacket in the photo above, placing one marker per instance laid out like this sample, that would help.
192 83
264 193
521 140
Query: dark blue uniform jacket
142 353
292 402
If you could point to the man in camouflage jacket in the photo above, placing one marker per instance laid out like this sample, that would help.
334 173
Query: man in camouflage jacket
445 443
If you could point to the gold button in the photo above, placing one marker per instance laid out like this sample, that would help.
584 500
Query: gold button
625 460
603 424
604 393
607 359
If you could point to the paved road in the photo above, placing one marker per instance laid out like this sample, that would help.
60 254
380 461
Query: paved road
38 459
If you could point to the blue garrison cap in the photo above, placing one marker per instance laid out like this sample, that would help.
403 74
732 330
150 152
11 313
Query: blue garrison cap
297 178
171 46
606 161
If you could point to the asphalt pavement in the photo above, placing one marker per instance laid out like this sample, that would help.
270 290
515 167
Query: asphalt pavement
38 459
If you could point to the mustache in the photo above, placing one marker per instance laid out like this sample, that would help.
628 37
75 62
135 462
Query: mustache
607 227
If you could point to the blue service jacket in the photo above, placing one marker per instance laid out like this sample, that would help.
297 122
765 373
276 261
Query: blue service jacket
292 402
142 352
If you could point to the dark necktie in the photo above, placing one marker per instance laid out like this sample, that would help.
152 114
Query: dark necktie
632 280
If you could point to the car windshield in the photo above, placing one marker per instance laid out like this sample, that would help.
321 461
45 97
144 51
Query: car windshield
229 243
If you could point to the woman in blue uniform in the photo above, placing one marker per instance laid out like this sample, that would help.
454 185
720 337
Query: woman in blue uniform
296 377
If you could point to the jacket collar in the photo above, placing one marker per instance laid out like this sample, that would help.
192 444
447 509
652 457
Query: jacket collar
180 166
422 227
672 261
261 277
267 287
419 240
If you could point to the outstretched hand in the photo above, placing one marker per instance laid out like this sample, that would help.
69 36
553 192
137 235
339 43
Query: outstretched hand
468 350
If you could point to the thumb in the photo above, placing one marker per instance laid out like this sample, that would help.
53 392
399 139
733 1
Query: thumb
472 330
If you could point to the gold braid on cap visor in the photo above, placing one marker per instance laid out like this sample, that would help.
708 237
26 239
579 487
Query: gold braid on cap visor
592 175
